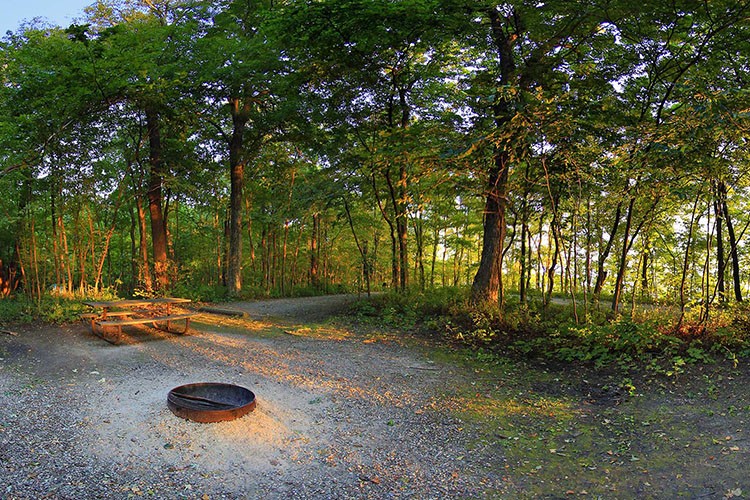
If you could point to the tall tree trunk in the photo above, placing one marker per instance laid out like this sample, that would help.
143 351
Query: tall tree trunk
686 261
284 249
265 258
486 284
156 180
523 263
219 248
361 246
589 242
419 258
628 240
99 266
145 267
732 243
397 194
433 259
55 243
720 264
314 252
623 257
249 225
240 117
645 263
554 245
395 262
133 250
706 297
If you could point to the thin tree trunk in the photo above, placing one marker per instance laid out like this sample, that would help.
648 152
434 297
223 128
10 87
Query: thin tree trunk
107 239
133 249
433 260
55 243
395 269
645 263
145 269
732 243
419 259
284 245
705 277
361 246
249 225
686 262
601 274
720 265
314 252
623 257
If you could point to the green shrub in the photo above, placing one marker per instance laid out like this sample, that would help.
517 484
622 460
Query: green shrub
16 310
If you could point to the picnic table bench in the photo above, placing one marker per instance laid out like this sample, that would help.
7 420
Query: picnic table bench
110 316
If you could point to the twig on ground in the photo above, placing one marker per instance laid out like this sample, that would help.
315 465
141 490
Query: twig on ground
2 330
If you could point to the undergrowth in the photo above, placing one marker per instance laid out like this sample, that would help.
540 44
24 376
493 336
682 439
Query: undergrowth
651 339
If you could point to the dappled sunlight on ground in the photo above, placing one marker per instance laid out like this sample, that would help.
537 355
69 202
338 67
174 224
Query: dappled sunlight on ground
279 360
483 406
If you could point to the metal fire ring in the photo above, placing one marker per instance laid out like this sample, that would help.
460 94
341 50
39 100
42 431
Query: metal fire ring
210 401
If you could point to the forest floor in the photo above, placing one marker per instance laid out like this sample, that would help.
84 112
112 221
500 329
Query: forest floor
347 410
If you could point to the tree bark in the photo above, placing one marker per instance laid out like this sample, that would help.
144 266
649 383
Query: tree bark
156 180
398 199
314 252
732 244
720 264
623 257
395 262
686 261
486 284
601 274
240 117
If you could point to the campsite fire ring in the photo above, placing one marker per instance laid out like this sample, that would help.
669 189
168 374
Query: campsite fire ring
210 402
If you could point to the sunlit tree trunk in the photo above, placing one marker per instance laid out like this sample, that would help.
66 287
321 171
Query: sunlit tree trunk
156 179
240 116
486 284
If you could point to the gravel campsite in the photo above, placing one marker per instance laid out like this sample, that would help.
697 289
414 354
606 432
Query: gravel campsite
346 412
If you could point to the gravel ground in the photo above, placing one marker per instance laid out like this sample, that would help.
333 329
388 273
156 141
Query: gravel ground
339 415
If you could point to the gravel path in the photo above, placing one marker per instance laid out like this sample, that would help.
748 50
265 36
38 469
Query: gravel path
339 415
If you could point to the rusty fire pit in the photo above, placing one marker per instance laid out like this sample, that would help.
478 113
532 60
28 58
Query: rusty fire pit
210 401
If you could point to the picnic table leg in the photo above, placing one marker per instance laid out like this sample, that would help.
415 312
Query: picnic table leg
169 327
102 333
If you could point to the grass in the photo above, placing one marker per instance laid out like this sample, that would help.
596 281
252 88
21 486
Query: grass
613 408
560 431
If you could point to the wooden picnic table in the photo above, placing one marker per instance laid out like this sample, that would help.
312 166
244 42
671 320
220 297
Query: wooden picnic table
111 315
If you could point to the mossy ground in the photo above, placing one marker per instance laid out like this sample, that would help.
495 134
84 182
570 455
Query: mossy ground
563 431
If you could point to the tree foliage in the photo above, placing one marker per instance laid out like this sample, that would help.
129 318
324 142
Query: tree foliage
591 151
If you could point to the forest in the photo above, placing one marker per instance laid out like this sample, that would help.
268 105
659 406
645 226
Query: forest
516 154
